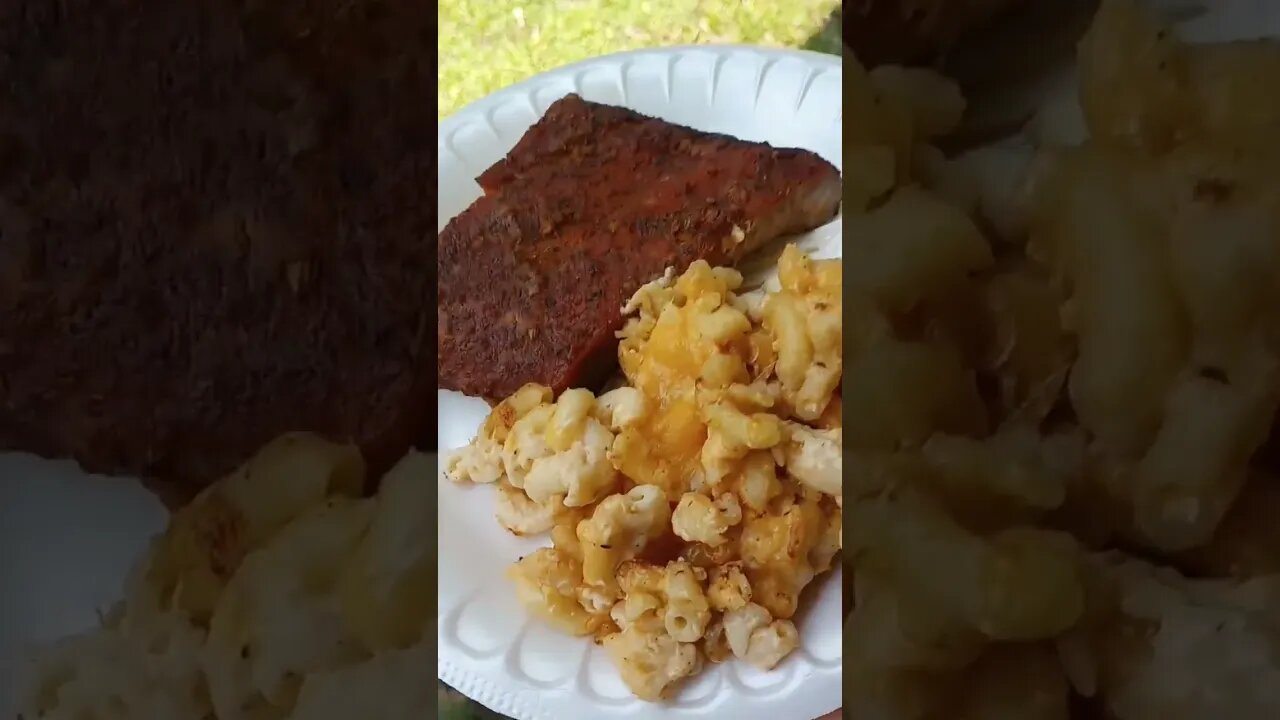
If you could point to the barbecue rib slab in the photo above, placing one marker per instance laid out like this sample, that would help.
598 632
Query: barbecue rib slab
593 202
215 227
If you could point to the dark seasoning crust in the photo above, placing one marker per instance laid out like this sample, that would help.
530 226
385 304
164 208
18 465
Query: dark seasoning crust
593 202
215 226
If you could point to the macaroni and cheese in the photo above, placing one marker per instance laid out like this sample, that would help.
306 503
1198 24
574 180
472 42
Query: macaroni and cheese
689 508
296 599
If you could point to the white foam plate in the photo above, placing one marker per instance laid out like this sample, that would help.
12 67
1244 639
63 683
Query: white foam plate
67 540
490 649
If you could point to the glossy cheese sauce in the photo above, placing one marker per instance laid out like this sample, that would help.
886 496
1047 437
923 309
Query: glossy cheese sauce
666 368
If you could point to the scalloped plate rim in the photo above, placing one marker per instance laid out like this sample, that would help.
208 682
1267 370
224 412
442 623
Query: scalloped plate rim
496 98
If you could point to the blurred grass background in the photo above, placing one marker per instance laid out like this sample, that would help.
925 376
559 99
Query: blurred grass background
485 45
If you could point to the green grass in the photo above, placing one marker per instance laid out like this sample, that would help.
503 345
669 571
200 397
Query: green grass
486 45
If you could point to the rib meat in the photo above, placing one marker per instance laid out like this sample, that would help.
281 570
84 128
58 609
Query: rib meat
593 202
213 229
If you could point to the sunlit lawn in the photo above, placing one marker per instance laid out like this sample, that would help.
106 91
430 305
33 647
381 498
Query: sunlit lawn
488 44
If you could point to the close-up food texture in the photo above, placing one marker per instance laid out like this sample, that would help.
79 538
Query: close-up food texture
1058 422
